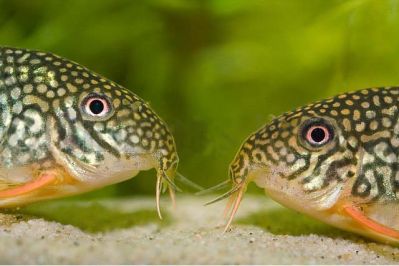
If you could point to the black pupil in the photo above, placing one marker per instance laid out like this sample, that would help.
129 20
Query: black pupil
96 107
318 135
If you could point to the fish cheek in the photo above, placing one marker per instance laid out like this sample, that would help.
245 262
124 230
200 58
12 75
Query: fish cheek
378 174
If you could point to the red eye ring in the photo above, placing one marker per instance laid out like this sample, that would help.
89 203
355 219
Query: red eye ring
97 106
318 135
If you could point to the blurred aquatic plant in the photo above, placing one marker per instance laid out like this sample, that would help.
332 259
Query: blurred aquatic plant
216 70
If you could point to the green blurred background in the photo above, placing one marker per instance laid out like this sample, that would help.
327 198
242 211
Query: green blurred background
215 71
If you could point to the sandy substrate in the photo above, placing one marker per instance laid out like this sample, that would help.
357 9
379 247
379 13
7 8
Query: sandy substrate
263 233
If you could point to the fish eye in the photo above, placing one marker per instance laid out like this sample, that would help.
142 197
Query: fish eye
96 106
317 132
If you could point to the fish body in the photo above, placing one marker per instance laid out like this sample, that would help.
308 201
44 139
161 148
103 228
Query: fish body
336 160
64 122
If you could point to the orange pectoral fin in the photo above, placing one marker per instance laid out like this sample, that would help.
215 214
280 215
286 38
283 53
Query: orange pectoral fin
42 181
365 221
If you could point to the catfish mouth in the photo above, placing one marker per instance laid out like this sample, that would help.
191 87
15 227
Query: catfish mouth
323 204
254 173
287 192
235 195
165 180
290 192
129 167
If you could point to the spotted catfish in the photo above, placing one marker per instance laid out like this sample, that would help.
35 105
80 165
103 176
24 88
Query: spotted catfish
65 130
335 160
